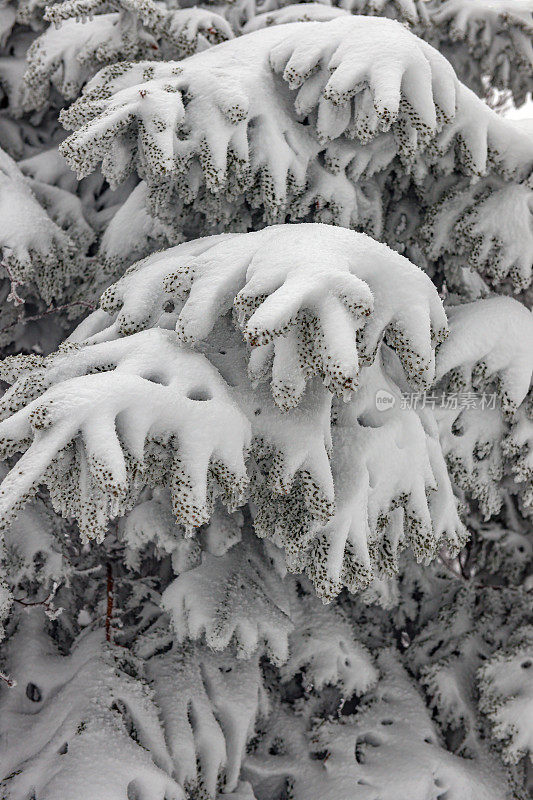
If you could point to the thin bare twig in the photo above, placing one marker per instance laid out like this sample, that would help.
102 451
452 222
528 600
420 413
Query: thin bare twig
15 283
88 571
46 313
452 565
48 605
11 682
109 610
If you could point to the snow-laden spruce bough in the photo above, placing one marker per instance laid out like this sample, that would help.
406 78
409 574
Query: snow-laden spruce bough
267 488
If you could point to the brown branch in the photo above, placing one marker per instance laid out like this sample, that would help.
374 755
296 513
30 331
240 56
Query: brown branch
48 311
47 603
109 611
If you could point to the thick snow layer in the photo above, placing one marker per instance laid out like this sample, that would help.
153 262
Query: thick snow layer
233 597
310 299
200 650
133 395
209 704
367 756
495 336
506 683
70 722
47 250
356 77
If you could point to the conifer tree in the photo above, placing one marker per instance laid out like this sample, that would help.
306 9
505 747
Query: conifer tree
266 497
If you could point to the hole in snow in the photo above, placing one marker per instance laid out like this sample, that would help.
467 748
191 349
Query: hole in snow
387 722
201 395
526 664
277 747
319 755
366 421
362 744
33 693
350 706
457 429
39 560
168 307
63 749
132 791
127 719
156 379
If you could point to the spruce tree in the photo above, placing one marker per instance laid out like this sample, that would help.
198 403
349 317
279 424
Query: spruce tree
267 420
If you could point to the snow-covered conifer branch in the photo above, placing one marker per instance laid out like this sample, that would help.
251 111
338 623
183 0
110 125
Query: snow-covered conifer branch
88 702
337 129
232 597
158 393
365 754
290 454
506 687
81 40
209 704
309 299
494 36
416 94
50 251
488 353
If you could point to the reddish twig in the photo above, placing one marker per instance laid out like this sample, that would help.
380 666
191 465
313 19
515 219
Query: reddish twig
50 610
109 610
